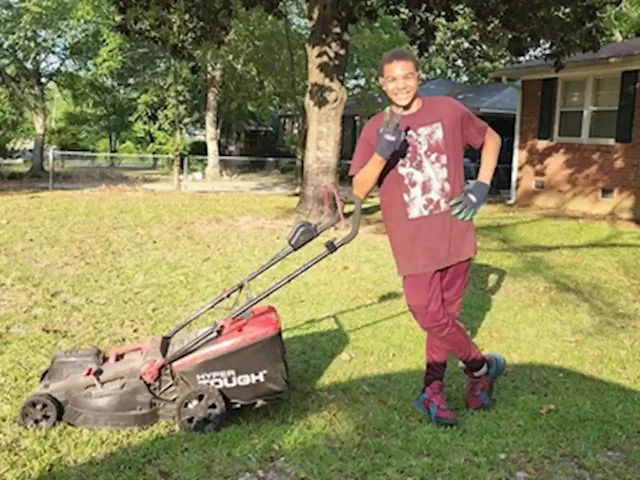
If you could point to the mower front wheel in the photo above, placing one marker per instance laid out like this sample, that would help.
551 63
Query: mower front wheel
40 411
201 409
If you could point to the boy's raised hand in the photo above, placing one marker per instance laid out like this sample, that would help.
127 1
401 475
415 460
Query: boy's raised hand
390 135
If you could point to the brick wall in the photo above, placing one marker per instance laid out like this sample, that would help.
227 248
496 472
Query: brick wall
574 174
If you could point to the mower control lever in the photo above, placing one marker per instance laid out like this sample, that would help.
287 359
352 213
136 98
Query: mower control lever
301 234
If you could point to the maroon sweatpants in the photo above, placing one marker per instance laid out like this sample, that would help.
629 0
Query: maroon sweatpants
435 300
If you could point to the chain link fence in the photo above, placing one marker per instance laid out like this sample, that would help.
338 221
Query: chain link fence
67 169
72 169
75 170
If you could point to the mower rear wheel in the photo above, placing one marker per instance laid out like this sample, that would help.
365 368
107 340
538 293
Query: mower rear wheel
40 411
201 409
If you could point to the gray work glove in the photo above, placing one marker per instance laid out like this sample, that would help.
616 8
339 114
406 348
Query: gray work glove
390 136
469 202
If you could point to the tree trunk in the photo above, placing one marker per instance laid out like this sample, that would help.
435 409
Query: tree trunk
214 76
300 144
299 106
39 116
177 157
176 170
113 143
112 149
324 102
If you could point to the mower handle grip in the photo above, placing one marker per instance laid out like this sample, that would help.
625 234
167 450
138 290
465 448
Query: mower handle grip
355 223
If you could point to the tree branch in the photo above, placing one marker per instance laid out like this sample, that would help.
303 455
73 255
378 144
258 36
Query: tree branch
13 85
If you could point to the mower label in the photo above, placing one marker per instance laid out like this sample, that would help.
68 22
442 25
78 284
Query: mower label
229 378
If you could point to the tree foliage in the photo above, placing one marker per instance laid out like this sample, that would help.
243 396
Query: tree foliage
105 90
458 53
264 69
150 84
623 20
185 28
191 32
12 119
558 27
40 39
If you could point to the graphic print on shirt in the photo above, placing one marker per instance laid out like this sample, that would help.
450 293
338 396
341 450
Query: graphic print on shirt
425 174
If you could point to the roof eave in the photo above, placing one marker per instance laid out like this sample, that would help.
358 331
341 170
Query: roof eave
518 72
496 111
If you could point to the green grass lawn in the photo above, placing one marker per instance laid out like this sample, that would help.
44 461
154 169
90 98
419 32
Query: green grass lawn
559 298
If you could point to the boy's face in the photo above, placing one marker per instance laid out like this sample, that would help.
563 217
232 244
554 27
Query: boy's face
400 82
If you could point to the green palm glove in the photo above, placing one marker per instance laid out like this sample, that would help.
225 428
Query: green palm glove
469 201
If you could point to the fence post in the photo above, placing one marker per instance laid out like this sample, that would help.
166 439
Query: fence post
51 168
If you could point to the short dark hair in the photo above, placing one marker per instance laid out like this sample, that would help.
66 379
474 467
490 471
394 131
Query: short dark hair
397 55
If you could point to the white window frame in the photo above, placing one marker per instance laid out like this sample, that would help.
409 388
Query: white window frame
588 108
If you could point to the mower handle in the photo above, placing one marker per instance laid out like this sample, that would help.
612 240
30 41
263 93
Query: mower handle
330 248
212 332
355 223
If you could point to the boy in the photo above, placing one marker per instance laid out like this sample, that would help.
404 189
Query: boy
415 156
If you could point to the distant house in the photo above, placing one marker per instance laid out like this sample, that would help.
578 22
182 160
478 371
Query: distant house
577 133
495 102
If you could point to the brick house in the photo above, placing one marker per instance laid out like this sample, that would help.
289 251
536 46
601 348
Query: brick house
577 132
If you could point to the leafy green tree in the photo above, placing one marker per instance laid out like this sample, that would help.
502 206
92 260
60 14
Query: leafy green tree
192 32
623 20
264 68
458 53
38 40
107 89
71 125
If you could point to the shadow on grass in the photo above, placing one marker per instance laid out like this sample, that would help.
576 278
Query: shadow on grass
386 297
536 261
553 422
484 282
499 232
373 407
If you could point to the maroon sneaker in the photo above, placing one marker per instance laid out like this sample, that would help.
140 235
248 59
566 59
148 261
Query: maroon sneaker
434 403
480 390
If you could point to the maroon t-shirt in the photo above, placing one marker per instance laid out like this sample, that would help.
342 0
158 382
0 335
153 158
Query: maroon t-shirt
416 190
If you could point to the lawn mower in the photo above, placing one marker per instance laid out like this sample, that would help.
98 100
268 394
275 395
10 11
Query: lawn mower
194 377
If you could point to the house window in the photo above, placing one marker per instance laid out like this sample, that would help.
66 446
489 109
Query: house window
606 193
588 109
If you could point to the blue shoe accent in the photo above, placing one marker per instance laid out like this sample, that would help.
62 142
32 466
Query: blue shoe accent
497 364
480 390
419 403
432 412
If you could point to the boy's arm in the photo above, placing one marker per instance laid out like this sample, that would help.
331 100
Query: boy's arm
477 133
489 156
367 177
372 152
